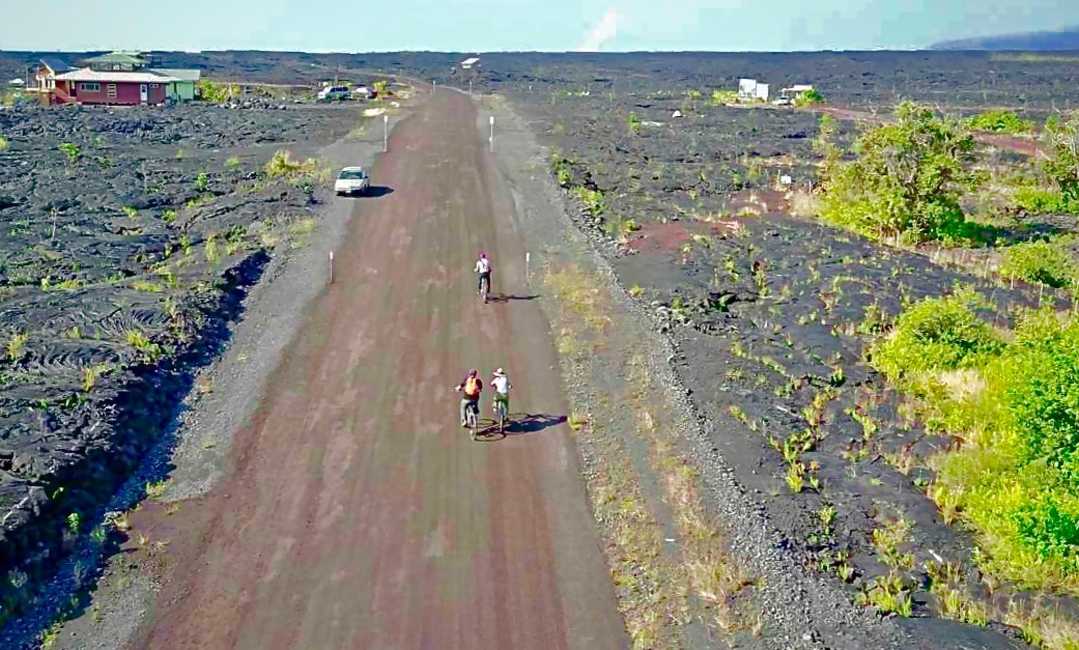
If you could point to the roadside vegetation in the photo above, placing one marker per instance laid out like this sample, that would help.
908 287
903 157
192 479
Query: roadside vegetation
1010 400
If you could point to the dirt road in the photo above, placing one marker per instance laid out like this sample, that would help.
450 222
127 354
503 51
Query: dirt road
357 514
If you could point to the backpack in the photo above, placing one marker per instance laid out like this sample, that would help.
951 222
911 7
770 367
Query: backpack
472 386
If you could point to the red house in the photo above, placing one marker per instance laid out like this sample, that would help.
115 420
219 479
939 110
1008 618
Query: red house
123 78
88 86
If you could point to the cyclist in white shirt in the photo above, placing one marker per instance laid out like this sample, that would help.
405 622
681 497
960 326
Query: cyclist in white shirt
483 270
501 385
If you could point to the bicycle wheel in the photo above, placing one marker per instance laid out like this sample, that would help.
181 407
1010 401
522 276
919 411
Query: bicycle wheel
473 422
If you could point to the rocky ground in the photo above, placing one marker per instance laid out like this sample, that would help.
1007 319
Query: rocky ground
771 315
130 238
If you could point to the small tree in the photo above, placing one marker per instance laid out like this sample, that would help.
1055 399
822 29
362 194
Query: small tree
1062 167
906 180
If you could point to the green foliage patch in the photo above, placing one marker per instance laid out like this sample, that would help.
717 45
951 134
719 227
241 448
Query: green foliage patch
1041 262
1014 405
906 179
999 121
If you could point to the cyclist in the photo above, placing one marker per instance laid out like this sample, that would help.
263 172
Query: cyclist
501 384
483 270
471 386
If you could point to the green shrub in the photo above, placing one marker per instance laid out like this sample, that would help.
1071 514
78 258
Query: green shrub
906 179
3 144
633 123
936 334
721 97
593 200
217 93
1014 478
811 97
70 150
1039 200
999 121
1062 165
562 170
1039 261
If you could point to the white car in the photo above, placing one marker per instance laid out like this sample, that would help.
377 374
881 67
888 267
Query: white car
333 93
362 92
352 180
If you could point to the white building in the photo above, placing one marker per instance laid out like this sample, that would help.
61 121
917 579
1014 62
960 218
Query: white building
750 90
468 64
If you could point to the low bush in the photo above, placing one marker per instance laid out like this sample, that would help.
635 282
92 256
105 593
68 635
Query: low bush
1013 478
936 334
1036 200
593 200
217 93
999 121
282 165
811 97
1042 262
721 97
3 144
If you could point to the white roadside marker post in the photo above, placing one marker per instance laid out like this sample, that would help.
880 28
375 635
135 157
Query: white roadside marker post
492 138
331 267
528 264
469 87
385 133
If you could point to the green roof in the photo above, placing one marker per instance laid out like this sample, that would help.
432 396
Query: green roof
129 58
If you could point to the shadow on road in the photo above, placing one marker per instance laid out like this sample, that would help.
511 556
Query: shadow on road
378 191
508 297
519 425
373 192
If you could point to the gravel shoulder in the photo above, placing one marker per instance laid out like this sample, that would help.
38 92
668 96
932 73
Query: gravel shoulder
274 309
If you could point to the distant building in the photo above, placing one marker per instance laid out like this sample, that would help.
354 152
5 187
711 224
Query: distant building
123 78
118 61
45 75
182 90
750 90
470 63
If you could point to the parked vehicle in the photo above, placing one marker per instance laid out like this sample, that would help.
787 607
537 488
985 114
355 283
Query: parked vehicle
333 93
352 180
362 92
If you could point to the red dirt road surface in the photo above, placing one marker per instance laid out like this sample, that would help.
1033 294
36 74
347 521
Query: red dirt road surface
357 513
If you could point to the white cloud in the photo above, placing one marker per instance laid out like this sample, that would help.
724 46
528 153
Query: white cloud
602 33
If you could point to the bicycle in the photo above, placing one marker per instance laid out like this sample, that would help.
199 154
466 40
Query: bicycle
501 414
485 287
472 418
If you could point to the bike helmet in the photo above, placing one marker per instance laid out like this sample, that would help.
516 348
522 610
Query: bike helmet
473 372
483 255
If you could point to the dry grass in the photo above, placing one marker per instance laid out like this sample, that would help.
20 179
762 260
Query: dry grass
714 576
804 204
1044 627
962 384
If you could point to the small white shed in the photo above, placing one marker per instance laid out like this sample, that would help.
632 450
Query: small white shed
750 90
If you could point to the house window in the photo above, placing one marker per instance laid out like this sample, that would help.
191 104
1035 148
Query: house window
153 85
90 86
110 90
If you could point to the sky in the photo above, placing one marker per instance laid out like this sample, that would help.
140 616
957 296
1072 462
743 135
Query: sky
515 25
